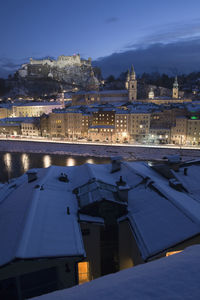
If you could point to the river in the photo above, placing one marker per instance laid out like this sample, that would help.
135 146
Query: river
15 164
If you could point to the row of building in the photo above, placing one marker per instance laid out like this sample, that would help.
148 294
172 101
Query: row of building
107 116
142 123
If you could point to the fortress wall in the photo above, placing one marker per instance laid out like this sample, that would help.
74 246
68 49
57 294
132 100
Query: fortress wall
62 61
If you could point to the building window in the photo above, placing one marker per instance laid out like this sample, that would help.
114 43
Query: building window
83 272
173 252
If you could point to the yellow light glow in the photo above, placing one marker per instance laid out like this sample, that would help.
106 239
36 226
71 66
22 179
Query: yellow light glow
83 272
25 161
90 161
70 162
173 252
124 134
46 161
8 161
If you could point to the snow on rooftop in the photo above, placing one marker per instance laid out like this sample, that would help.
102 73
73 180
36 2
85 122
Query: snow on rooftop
42 103
33 218
35 214
173 277
157 224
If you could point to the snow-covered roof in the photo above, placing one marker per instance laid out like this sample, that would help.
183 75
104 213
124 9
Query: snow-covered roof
42 103
121 98
172 277
9 124
35 214
34 222
104 92
19 119
160 215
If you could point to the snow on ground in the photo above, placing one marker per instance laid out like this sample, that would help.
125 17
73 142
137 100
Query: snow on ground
128 152
173 277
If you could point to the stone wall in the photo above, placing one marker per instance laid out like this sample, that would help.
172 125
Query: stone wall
69 69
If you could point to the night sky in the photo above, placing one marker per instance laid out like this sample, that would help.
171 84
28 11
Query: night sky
101 29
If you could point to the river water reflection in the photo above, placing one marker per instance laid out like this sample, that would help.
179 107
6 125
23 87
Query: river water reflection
15 164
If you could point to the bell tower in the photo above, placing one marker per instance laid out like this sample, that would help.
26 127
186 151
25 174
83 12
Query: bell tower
132 86
175 89
127 79
151 94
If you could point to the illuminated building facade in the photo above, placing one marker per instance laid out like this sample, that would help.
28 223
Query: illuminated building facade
122 126
179 131
34 109
139 124
30 127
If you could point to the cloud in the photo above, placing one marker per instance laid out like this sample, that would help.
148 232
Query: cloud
173 58
10 66
112 20
166 34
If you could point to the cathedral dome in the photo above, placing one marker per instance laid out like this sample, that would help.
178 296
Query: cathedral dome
93 82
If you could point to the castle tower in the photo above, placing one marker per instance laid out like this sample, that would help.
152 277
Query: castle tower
132 86
127 79
151 94
175 89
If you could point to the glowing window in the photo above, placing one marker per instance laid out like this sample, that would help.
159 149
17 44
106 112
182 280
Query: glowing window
83 272
173 252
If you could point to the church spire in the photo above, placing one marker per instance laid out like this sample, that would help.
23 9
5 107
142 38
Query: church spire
175 82
133 76
128 75
132 86
175 91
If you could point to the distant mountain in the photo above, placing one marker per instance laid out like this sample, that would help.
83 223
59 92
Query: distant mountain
173 59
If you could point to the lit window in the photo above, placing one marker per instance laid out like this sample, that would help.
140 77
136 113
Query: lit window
173 252
83 272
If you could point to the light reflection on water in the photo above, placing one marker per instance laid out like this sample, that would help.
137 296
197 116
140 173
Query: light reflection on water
8 161
90 161
25 161
46 161
16 164
70 162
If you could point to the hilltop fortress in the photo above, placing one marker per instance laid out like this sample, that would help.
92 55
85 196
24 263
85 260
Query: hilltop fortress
69 69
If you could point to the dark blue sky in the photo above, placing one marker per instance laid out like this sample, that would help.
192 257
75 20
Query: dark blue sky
39 28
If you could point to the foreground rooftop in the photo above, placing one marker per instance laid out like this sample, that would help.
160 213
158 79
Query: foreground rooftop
40 217
173 277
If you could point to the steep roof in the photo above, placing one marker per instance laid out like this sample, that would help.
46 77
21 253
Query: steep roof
160 215
33 218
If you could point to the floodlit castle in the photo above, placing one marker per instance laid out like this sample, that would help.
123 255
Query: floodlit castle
71 69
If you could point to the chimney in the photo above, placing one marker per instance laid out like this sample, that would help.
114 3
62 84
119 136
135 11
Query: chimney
32 175
116 163
63 177
120 182
185 171
122 191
